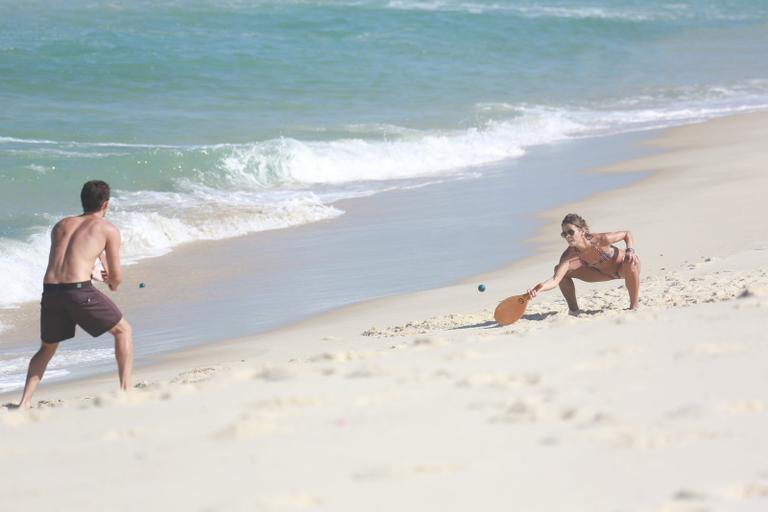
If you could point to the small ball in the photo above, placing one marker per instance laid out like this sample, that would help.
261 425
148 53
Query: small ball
481 288
142 285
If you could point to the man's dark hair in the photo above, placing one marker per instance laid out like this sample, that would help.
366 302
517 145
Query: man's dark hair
93 196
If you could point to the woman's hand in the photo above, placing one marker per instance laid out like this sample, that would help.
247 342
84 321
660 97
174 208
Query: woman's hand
533 291
629 254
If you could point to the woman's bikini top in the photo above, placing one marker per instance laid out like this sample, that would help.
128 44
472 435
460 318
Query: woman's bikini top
604 256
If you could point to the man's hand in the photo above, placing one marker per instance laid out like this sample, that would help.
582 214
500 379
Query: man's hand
98 275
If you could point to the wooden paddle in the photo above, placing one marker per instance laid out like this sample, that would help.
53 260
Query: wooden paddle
511 309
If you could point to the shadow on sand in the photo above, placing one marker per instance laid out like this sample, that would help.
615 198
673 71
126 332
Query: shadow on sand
491 324
535 317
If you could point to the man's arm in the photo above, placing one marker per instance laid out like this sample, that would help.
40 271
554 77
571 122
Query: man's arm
112 250
102 276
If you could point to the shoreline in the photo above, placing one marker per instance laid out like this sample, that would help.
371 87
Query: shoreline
357 257
417 401
543 248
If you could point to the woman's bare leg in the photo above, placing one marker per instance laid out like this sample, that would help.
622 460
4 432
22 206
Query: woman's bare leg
568 288
631 274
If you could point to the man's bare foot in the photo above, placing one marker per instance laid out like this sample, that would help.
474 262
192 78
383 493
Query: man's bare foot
13 407
574 312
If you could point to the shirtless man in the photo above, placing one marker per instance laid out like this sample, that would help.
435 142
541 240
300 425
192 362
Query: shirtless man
592 257
69 297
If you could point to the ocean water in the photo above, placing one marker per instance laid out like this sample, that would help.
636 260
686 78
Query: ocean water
212 118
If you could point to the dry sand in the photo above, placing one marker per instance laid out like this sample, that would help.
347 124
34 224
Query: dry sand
420 403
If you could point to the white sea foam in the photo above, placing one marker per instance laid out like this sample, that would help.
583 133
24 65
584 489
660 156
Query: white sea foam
203 213
665 12
60 153
13 367
15 140
289 161
41 169
649 119
537 11
23 264
532 10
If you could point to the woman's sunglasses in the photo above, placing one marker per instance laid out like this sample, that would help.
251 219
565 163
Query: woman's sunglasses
568 232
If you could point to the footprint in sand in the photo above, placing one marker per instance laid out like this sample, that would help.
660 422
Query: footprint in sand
537 409
274 374
685 412
437 323
368 372
261 417
50 403
194 376
689 495
714 349
249 426
499 380
622 437
520 411
743 407
404 472
136 396
340 357
376 399
686 500
120 434
754 290
757 489
427 341
685 507
283 404
19 418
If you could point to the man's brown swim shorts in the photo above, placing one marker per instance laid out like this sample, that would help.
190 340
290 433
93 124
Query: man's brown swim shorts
68 304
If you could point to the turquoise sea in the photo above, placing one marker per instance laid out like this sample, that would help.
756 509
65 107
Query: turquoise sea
212 119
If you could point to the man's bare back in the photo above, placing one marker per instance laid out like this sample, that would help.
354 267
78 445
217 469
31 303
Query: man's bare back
76 243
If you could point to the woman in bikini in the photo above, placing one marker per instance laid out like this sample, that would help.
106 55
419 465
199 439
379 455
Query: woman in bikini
592 257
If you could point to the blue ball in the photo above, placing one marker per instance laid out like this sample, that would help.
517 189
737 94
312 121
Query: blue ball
481 287
142 285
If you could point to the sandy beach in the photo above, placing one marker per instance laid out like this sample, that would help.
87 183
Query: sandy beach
420 402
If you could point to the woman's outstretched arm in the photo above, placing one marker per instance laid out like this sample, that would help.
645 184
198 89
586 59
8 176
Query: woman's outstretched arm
560 270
